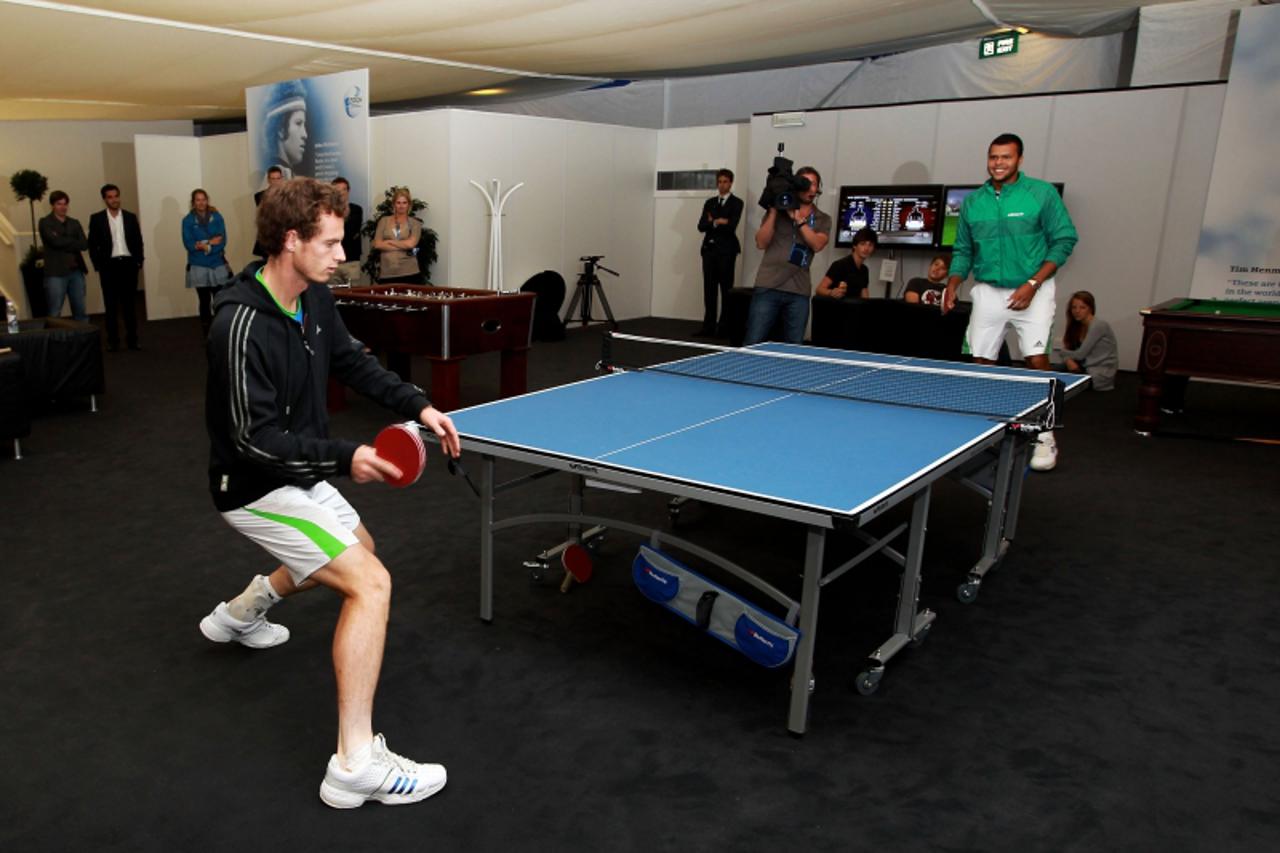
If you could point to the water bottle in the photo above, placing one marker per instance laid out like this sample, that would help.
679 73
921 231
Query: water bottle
11 314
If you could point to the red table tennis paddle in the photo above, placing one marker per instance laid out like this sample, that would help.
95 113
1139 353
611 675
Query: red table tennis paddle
577 565
401 445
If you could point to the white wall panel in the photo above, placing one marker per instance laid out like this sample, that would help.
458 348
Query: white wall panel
480 149
412 149
224 165
1116 193
631 243
1188 191
168 168
677 257
677 244
533 224
77 158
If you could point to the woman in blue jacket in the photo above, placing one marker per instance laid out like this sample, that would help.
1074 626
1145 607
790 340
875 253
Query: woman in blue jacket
205 236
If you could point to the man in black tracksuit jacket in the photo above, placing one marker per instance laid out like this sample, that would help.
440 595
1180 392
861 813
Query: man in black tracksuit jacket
276 338
268 381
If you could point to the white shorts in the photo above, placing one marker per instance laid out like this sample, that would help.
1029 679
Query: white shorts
991 316
302 528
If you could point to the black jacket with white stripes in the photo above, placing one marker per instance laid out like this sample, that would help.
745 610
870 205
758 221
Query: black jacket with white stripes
268 381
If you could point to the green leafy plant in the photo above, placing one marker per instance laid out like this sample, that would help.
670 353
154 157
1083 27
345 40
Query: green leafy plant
30 186
426 246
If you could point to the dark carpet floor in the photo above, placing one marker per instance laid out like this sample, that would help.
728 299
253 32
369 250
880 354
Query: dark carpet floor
1113 688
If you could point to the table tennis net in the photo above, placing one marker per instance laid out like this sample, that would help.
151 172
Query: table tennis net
941 388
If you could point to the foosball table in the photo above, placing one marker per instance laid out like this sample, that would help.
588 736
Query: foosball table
445 324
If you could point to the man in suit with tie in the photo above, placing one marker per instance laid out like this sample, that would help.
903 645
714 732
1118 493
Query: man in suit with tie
274 176
115 248
720 248
352 241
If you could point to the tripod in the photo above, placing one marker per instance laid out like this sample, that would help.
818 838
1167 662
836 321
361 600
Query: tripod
588 282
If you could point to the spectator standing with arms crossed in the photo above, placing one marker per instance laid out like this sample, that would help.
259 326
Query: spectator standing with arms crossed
789 240
720 249
64 268
396 239
204 234
276 338
1014 234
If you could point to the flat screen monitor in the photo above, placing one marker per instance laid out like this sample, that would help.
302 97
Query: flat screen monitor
900 215
951 211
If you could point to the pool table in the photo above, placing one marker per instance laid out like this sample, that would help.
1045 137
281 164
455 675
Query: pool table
1210 338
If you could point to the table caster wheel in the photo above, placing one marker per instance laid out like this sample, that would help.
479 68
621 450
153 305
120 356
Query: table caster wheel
967 592
868 682
537 569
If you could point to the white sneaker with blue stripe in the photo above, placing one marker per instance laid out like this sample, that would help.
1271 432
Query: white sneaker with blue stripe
388 778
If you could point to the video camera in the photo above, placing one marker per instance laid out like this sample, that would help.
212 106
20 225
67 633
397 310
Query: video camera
782 189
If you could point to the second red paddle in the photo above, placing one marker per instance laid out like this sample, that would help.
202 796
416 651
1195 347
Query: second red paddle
577 565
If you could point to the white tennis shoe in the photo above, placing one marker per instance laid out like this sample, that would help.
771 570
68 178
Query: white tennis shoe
1044 456
387 778
221 627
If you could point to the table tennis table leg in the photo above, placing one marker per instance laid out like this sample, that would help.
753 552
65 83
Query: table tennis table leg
910 624
1001 515
802 677
1021 460
486 538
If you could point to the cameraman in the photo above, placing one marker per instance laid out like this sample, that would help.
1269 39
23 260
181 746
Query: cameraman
789 240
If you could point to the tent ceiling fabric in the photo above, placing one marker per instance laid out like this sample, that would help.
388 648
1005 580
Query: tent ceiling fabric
157 59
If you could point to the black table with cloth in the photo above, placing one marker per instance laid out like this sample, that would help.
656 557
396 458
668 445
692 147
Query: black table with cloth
60 358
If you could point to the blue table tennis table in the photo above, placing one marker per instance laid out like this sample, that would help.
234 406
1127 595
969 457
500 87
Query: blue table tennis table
708 428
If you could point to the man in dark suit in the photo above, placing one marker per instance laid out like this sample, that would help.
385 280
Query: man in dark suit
115 248
720 248
352 242
274 176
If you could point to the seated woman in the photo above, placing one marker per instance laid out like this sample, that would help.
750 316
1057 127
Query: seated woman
929 290
396 239
1089 345
849 275
204 235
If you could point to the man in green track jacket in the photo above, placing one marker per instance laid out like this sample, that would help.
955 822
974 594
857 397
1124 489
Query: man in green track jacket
1014 234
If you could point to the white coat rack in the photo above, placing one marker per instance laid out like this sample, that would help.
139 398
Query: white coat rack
497 200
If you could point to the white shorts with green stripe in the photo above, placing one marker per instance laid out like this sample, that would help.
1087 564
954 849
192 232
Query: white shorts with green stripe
302 528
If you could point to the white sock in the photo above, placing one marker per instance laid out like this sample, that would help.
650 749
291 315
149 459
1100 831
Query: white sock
255 601
358 760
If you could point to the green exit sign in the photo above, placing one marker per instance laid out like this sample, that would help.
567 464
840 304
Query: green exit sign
1000 44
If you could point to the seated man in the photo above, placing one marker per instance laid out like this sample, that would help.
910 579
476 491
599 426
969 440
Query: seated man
929 290
849 275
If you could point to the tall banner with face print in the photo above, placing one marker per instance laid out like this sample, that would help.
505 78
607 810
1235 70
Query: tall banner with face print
1239 255
314 126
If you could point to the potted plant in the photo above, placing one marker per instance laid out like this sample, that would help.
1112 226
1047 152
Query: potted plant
30 186
426 246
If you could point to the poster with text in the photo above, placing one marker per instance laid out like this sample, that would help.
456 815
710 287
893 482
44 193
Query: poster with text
314 126
1239 253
